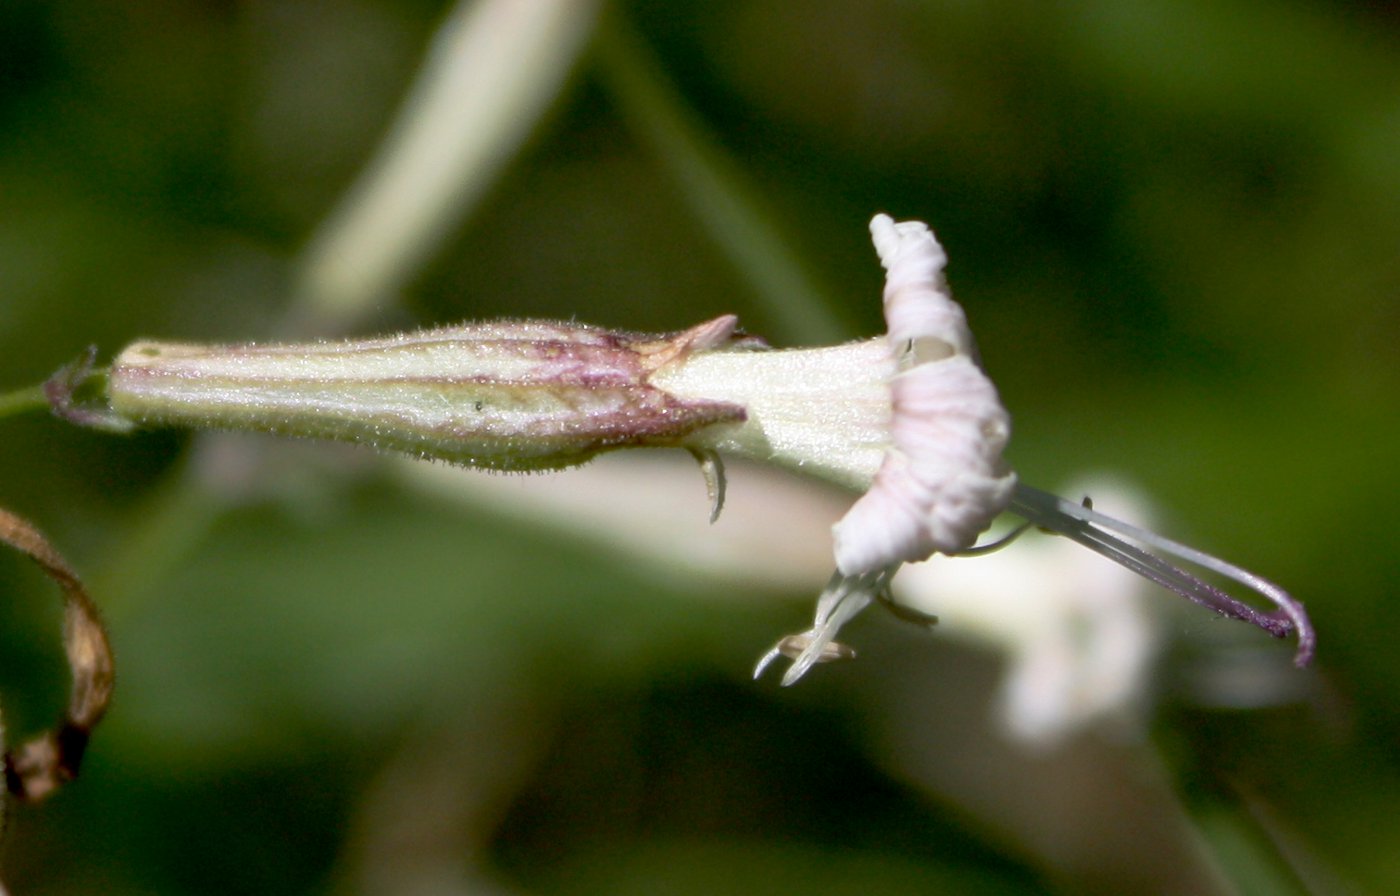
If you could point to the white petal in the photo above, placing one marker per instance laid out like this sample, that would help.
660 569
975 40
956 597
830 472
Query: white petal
917 303
943 480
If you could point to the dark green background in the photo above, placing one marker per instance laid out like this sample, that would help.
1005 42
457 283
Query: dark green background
1175 227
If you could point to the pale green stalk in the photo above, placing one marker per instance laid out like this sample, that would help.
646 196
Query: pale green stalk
23 401
493 69
714 186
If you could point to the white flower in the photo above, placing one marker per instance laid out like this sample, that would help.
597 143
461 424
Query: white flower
941 478
914 422
910 419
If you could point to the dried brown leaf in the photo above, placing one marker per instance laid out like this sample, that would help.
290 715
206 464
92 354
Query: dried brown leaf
37 768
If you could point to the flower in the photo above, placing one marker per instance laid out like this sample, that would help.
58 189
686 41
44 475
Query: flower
941 480
909 419
920 401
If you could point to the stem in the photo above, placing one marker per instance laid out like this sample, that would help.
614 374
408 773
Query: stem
717 191
1093 530
492 71
22 401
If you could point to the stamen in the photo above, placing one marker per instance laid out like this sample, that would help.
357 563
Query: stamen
712 468
978 550
906 613
1091 529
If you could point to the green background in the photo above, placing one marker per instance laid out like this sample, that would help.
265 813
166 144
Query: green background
1175 227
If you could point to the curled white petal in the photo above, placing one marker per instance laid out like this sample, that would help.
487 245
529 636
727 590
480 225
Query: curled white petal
943 479
918 305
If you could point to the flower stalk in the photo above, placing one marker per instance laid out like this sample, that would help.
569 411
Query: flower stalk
20 401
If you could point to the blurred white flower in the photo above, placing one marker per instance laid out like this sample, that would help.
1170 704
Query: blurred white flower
1078 634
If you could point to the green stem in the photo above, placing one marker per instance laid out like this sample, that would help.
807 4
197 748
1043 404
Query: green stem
169 526
22 401
1242 849
713 185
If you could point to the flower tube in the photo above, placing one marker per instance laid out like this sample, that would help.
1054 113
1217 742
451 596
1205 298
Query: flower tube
502 396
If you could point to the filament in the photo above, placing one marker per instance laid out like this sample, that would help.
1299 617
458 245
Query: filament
1094 530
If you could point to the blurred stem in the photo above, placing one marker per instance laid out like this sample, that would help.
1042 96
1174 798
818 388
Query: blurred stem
712 184
492 71
172 521
22 401
1242 851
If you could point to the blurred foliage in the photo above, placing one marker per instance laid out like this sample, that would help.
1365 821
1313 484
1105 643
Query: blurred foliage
1175 227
